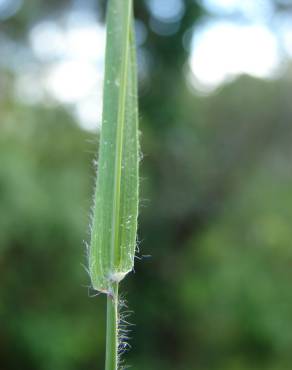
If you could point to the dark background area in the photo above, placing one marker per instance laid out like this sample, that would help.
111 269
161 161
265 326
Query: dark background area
215 215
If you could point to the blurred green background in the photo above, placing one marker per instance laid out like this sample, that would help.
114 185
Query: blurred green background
216 187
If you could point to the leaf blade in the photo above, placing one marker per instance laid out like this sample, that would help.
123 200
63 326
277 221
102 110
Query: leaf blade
114 226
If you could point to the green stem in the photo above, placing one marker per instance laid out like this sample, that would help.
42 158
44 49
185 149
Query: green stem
111 358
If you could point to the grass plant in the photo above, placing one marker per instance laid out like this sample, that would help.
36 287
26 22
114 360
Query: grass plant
114 224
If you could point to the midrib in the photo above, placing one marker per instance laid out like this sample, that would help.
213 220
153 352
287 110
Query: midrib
115 255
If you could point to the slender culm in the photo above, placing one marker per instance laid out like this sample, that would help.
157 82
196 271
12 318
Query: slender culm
114 226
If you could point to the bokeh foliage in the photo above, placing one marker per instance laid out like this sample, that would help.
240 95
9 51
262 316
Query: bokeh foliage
215 217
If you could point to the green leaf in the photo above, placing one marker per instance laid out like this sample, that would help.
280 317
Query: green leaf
113 238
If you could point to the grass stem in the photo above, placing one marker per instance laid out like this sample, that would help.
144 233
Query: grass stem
111 360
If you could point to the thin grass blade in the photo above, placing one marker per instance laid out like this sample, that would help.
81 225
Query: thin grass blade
114 226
